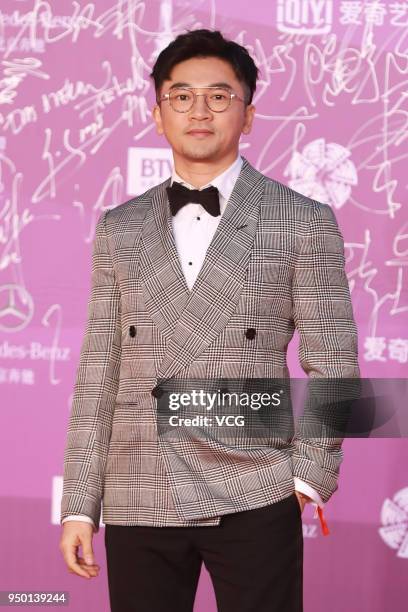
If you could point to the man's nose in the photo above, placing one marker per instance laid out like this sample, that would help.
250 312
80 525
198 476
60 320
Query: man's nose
200 107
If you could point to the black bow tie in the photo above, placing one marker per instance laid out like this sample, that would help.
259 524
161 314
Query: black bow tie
180 195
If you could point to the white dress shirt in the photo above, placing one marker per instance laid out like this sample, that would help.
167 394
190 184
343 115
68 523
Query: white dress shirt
193 229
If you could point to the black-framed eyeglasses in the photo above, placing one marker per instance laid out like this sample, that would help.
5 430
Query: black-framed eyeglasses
182 99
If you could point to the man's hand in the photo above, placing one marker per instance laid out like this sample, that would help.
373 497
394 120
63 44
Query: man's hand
75 534
302 499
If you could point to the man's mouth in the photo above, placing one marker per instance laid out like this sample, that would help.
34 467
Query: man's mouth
199 133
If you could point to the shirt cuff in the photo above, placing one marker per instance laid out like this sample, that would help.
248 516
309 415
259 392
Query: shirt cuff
79 517
303 487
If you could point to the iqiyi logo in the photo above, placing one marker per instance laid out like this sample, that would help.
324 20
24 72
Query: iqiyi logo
305 16
147 166
394 519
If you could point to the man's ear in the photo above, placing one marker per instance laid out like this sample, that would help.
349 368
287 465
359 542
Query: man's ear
156 113
249 117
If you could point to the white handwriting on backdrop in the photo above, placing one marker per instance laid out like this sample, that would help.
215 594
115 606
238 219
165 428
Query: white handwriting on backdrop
77 137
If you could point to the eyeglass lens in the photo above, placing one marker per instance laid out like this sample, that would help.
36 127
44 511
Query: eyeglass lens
182 100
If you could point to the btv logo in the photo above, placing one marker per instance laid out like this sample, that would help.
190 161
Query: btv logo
147 166
305 16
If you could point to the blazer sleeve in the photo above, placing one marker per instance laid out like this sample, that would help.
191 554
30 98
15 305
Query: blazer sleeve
328 350
95 389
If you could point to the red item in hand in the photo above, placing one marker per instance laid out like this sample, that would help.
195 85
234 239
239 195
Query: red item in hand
325 529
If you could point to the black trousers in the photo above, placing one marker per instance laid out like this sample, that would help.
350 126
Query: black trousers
254 558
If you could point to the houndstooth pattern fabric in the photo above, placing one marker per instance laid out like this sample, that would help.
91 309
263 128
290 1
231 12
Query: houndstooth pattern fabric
275 263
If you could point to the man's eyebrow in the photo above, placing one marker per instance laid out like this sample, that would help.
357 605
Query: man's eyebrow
219 84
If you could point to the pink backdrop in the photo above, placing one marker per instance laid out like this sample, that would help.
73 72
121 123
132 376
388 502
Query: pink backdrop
76 137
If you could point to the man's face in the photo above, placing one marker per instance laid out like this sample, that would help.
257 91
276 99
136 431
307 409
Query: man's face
223 130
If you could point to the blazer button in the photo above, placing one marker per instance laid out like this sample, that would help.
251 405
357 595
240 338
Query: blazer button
157 391
132 331
250 333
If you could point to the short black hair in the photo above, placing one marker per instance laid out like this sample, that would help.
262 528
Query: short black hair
206 43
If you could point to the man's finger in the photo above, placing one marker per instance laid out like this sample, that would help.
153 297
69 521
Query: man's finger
86 543
85 566
72 563
92 570
301 502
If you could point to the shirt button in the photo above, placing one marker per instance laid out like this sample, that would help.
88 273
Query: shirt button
190 263
198 218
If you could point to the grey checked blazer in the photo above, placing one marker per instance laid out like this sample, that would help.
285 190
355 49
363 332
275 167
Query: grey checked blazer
276 262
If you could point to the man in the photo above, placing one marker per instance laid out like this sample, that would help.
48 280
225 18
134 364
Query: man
203 276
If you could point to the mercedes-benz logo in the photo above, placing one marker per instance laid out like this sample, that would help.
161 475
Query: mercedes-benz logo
16 308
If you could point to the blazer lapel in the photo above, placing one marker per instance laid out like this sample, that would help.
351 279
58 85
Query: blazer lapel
196 317
164 288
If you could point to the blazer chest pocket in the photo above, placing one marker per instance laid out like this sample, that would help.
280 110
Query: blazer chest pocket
277 270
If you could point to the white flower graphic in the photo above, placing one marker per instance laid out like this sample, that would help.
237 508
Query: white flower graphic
323 171
394 518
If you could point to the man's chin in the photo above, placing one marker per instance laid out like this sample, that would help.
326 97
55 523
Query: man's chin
200 154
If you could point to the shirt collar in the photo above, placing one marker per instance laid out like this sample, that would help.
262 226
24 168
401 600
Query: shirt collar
224 182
